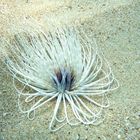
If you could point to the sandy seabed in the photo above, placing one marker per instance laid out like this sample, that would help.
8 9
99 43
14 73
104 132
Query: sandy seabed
116 26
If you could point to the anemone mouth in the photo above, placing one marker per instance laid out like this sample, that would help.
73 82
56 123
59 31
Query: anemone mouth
63 80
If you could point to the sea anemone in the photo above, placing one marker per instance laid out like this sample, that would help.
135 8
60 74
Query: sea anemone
62 66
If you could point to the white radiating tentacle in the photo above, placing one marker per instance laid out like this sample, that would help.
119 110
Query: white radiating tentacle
66 114
55 113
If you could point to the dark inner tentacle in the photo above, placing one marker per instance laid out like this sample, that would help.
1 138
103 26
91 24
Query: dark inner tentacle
63 80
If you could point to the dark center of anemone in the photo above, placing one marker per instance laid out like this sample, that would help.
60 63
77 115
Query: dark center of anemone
63 80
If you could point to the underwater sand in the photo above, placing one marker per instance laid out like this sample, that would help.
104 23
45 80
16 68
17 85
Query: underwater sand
116 26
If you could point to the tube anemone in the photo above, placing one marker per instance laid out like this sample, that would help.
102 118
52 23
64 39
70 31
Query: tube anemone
63 66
